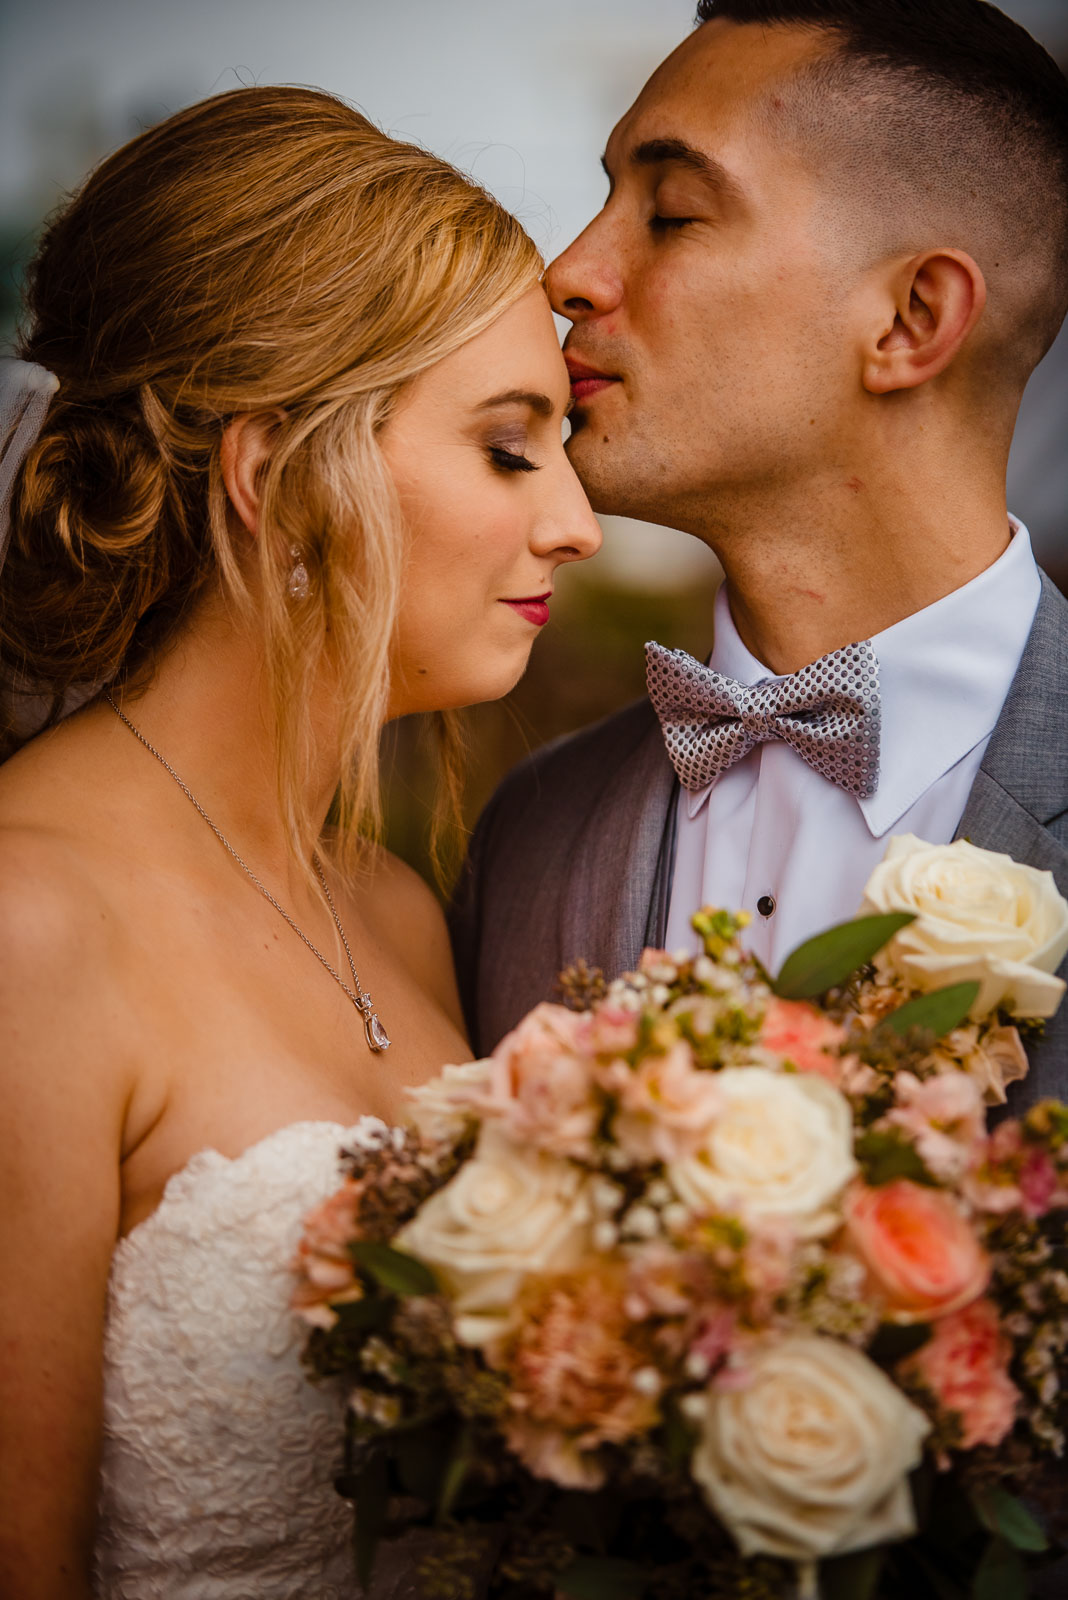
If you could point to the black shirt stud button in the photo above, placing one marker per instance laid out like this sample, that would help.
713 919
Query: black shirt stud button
766 905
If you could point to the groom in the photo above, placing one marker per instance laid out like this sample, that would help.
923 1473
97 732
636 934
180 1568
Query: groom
835 246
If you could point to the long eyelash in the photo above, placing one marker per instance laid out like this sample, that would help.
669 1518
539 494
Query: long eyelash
669 224
511 460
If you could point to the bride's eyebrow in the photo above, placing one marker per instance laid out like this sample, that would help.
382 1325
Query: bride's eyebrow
539 403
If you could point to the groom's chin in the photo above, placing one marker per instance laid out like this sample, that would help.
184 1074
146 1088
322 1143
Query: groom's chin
601 467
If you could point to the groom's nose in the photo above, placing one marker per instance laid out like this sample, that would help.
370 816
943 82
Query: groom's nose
585 282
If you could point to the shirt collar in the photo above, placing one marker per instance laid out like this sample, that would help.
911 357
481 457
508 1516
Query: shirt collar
944 674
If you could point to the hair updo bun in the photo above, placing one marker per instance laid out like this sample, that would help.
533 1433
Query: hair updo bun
93 574
268 250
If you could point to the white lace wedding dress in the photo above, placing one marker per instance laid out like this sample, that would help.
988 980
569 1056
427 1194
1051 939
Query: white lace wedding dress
219 1455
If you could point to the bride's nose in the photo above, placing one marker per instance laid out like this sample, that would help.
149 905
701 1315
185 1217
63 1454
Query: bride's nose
567 529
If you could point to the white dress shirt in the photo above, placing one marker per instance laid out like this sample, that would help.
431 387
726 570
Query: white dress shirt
772 837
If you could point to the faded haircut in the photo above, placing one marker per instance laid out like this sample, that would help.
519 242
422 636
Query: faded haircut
947 124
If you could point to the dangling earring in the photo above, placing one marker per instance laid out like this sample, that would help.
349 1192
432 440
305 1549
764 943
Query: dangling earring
298 584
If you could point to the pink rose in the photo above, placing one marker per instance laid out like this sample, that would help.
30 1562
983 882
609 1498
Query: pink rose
541 1083
666 1106
804 1037
920 1251
965 1366
943 1117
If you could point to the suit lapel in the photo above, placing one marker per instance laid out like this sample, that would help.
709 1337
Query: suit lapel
1018 804
616 876
1022 785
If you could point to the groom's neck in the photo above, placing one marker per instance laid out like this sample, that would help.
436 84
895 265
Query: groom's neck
811 572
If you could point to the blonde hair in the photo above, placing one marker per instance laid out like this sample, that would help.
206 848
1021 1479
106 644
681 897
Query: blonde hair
266 250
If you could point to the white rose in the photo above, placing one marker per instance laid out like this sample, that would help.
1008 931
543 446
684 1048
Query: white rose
781 1146
508 1212
980 916
810 1458
442 1107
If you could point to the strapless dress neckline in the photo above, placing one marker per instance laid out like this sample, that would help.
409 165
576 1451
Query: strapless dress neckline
219 1456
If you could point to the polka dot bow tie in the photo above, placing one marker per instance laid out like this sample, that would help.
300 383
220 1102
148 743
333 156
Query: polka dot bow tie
828 713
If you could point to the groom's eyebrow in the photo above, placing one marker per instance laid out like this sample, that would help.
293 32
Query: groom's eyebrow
662 152
539 403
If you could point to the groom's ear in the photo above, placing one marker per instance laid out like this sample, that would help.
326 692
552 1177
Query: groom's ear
243 456
932 303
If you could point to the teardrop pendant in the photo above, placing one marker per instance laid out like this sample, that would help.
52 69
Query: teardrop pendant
377 1037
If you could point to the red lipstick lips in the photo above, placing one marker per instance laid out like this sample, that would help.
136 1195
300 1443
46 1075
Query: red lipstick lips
535 610
586 381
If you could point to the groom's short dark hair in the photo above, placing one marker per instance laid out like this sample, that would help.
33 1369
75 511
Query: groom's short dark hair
949 103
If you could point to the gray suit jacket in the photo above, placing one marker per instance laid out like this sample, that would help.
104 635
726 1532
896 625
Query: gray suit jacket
573 856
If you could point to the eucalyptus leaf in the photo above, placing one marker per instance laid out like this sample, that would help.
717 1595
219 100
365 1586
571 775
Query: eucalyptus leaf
393 1270
938 1012
1003 1515
1000 1575
601 1578
831 957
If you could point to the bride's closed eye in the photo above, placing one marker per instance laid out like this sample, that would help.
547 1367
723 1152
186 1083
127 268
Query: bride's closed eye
504 460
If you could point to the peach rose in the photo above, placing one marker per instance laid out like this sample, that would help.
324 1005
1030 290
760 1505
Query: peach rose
323 1261
541 1085
666 1106
921 1253
965 1366
804 1037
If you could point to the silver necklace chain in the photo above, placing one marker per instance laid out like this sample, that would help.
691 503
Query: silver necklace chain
377 1037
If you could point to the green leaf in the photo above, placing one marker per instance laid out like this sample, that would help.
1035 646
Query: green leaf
938 1012
1000 1575
371 1502
884 1155
852 1577
601 1578
1006 1517
894 1341
830 958
392 1269
452 1480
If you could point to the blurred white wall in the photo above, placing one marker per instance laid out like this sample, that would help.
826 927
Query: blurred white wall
522 94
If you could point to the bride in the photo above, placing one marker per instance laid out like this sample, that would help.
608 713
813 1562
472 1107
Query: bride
301 473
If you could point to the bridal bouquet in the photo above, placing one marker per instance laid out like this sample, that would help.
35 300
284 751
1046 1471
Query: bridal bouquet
707 1284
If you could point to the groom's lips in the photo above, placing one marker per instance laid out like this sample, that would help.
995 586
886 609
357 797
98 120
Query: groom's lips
587 381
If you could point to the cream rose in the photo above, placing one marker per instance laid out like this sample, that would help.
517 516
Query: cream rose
509 1212
981 917
810 1458
443 1106
781 1146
